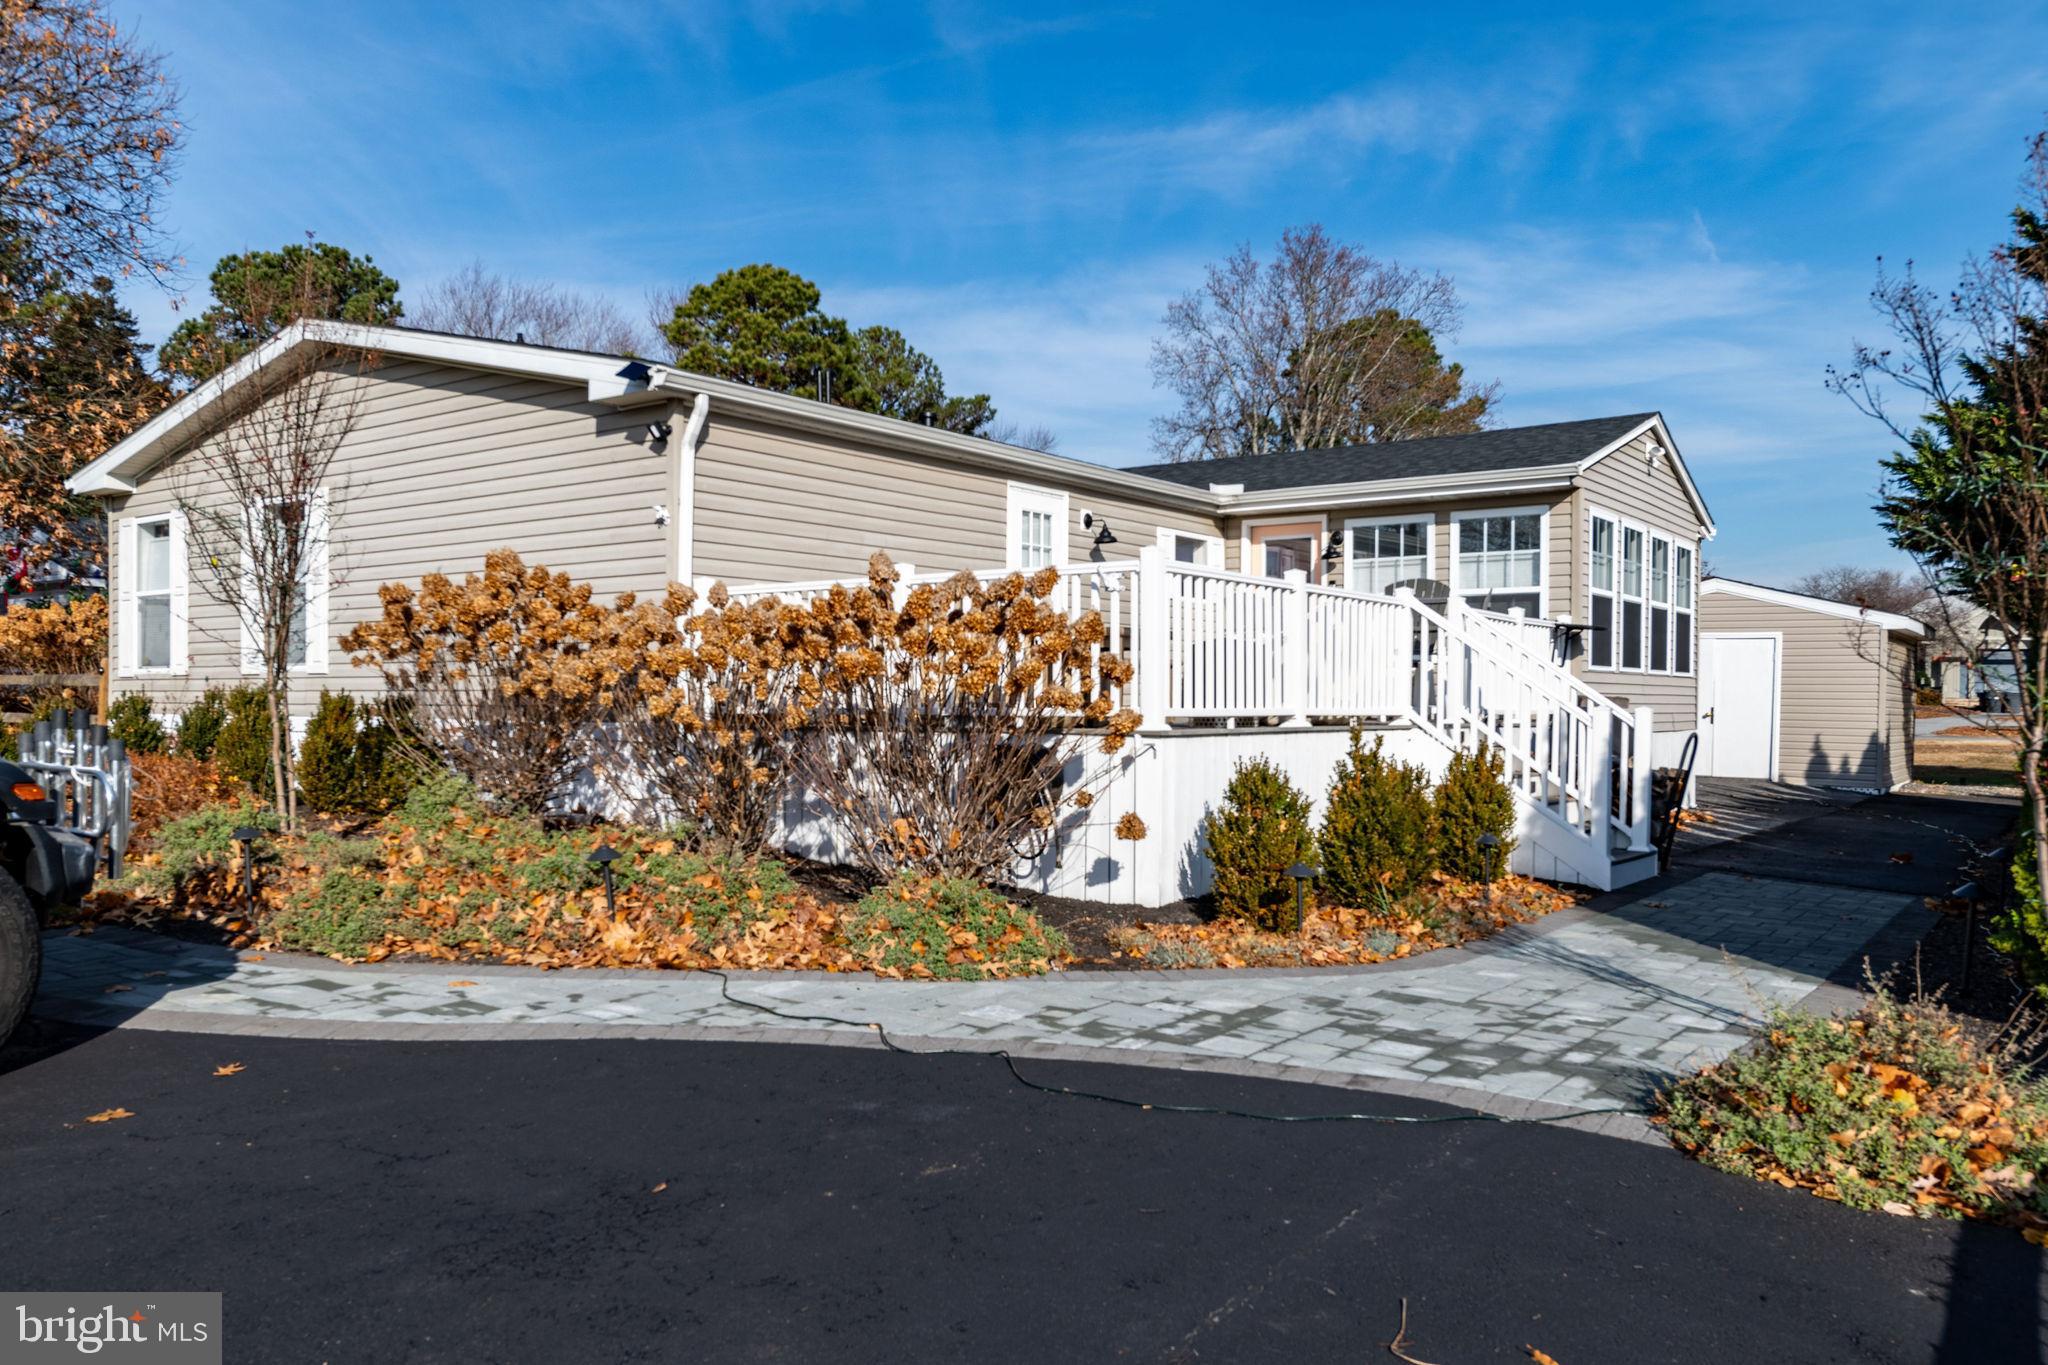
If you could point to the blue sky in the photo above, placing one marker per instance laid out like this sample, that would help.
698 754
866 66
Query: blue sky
1642 209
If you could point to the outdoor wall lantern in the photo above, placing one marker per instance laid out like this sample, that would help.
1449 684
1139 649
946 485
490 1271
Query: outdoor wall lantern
604 856
1333 553
658 432
1099 525
246 836
1303 874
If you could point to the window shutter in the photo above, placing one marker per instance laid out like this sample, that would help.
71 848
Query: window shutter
317 587
181 659
125 635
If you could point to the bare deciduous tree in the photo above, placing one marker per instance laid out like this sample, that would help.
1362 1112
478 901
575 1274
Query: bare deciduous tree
1035 437
1323 346
1901 594
1967 494
88 140
258 498
480 303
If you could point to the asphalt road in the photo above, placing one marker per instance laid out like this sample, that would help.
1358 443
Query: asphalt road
616 1201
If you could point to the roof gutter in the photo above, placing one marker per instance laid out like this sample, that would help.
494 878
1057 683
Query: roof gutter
808 414
1422 488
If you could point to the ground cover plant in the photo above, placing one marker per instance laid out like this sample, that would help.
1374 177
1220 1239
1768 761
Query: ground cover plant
1899 1106
1442 912
444 876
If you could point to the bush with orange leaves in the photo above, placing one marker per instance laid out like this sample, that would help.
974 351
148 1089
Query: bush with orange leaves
944 718
708 723
504 676
66 637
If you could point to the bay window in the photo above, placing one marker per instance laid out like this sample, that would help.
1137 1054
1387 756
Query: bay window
1499 561
1386 551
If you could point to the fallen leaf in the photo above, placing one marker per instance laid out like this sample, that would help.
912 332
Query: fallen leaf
109 1115
1902 858
659 1188
1894 1206
251 957
231 1069
457 985
1540 1357
2038 1236
111 990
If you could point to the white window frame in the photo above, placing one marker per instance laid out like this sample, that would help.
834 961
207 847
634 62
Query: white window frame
1685 619
1212 546
319 586
128 647
1675 543
1460 589
1025 497
1248 560
1428 520
1651 604
1612 592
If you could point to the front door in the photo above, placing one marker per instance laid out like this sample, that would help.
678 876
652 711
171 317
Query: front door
1278 550
1739 705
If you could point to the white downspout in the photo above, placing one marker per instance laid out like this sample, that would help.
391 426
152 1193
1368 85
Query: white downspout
686 486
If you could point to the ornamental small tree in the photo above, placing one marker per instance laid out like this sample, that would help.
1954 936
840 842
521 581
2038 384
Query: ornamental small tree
1472 802
1261 830
1377 836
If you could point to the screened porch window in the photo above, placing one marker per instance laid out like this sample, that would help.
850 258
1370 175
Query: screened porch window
1660 605
1384 553
1500 560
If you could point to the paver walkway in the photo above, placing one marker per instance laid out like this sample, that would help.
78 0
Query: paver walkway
1588 1009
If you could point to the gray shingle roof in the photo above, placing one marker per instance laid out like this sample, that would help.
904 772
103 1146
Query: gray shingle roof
1480 452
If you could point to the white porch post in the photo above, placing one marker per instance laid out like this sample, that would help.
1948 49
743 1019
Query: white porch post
1641 775
1294 651
1600 775
902 589
1151 640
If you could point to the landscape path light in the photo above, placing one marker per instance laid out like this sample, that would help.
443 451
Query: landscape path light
246 836
604 856
1303 874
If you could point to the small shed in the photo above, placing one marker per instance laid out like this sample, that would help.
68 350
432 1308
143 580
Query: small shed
1800 689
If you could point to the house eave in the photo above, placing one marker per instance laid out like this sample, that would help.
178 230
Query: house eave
1420 488
1799 601
1013 461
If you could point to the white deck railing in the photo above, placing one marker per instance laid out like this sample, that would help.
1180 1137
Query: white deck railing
1210 646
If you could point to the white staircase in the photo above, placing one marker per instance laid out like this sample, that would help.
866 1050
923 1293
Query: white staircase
1215 653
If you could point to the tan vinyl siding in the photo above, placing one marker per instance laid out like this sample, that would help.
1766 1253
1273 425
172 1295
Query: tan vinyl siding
1898 710
1839 713
775 504
443 465
1629 485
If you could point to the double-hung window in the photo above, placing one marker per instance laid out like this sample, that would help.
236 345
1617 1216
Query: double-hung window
1660 605
1641 588
1500 560
153 593
287 531
149 573
1601 607
1631 597
1037 532
1386 551
1681 629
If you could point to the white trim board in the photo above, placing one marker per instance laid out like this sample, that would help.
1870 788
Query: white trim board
1655 422
1799 601
1250 524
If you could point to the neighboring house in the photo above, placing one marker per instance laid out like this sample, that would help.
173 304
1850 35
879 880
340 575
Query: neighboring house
630 475
1800 689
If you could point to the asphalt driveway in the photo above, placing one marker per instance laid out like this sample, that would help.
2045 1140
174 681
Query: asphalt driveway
621 1200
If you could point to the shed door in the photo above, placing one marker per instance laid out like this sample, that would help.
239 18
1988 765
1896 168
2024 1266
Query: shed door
1739 705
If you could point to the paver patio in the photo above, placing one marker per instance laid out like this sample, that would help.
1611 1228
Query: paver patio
1587 1009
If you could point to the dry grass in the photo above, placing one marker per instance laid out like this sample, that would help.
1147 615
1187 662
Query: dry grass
1988 761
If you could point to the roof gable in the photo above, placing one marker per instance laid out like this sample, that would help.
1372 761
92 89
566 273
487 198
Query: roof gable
1799 601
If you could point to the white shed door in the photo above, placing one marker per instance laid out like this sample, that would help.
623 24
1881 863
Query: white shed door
1739 705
